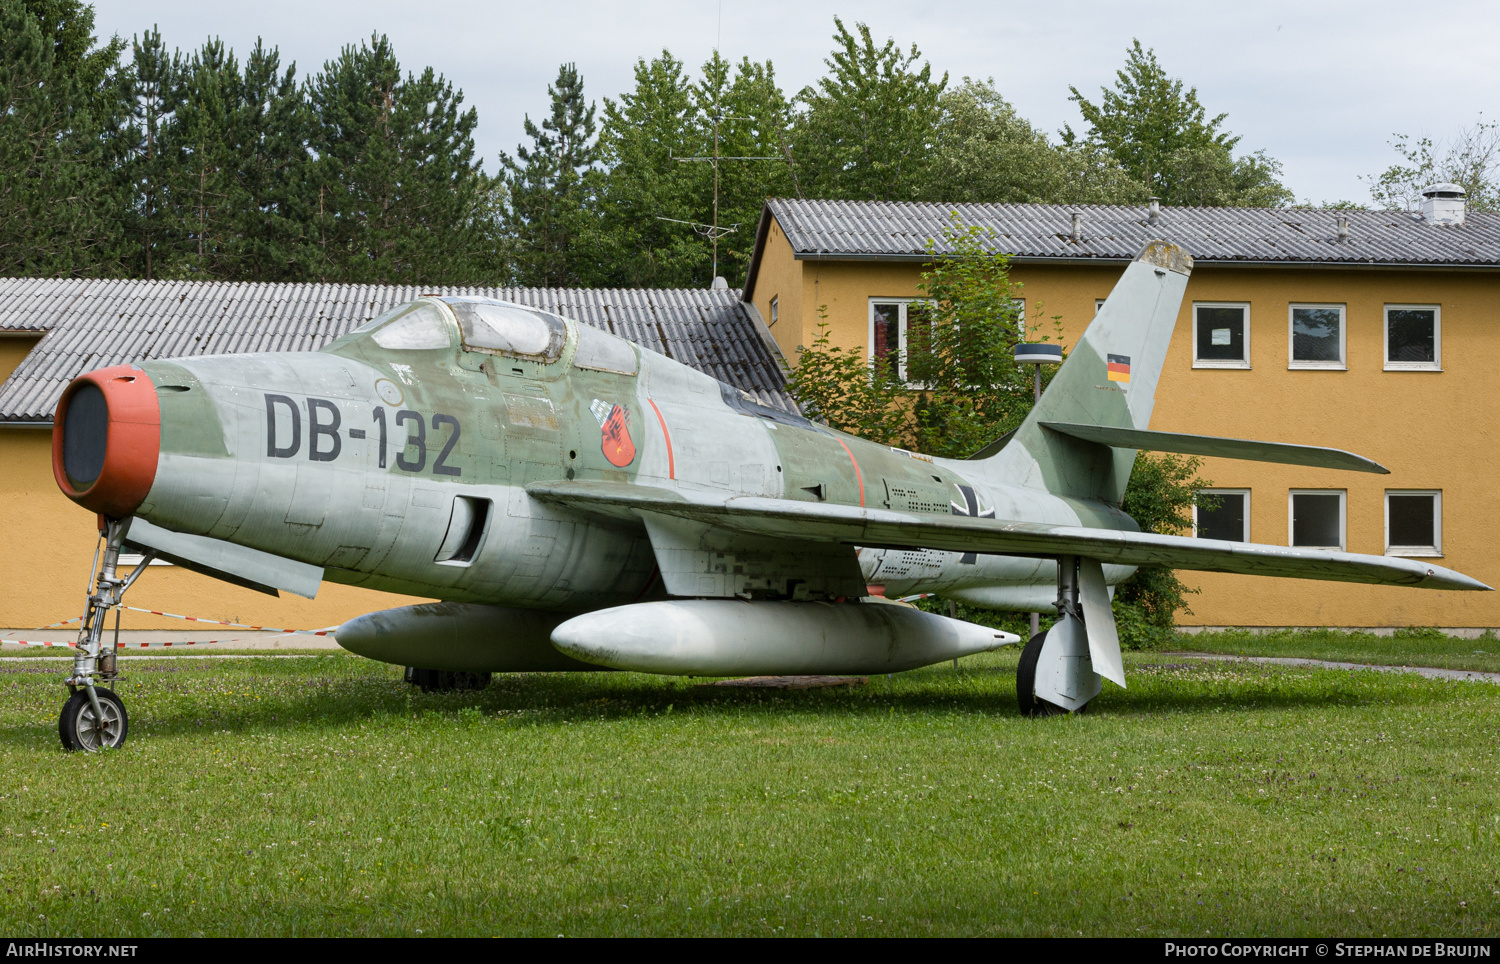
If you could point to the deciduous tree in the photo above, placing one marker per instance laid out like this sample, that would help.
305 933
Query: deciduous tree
1163 138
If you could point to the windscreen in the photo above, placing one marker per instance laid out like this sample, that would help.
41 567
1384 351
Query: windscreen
425 326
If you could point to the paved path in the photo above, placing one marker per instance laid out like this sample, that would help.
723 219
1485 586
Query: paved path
1428 671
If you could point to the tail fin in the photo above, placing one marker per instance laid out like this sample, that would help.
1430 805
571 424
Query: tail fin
1109 379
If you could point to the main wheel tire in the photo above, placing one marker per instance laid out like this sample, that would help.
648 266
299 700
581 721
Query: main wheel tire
80 730
1026 697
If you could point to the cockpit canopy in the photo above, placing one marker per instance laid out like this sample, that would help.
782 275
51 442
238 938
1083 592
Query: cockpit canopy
492 327
506 329
495 328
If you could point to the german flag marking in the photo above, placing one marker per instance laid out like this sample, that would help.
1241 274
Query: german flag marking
1119 368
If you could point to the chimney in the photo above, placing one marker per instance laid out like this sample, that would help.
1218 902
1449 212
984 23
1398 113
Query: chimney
1155 216
1343 230
1077 227
1444 204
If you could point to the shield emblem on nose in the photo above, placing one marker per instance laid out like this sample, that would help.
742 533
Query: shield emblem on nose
614 430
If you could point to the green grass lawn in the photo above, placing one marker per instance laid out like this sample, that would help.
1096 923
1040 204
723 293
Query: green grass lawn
1410 647
324 796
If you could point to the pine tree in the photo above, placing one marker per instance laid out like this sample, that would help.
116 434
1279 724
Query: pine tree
550 215
200 181
59 214
867 129
269 128
400 198
147 88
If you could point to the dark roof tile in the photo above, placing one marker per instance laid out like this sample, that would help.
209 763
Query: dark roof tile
92 324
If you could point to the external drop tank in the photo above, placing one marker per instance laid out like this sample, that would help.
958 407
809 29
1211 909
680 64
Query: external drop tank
731 637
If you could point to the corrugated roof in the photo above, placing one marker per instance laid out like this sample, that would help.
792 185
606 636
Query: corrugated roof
92 324
892 229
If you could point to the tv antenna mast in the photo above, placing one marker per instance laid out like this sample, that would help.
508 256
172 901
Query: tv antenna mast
715 231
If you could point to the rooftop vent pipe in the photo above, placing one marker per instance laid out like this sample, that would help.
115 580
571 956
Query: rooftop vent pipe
1444 204
719 283
1343 230
1155 216
1077 227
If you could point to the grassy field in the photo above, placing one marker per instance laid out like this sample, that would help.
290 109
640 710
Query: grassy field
323 796
1408 647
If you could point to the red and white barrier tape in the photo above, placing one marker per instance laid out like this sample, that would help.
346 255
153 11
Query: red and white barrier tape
218 622
326 631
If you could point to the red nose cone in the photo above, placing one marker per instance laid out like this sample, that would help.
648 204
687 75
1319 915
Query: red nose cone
106 437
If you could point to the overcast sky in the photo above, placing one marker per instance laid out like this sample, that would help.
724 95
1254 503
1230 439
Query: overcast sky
1320 85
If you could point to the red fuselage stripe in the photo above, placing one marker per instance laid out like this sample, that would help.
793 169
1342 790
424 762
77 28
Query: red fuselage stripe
857 473
672 463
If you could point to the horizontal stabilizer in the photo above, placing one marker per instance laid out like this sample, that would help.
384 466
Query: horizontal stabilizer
883 528
240 565
1216 447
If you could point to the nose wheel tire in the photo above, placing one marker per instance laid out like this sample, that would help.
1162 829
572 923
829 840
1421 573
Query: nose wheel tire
81 729
1026 698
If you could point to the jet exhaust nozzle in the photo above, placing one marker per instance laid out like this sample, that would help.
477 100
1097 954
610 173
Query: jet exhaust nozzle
106 438
731 637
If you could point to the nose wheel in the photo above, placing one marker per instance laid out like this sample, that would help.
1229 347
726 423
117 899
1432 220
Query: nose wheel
82 727
94 718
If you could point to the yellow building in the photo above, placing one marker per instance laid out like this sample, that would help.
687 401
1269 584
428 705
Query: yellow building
1367 331
54 330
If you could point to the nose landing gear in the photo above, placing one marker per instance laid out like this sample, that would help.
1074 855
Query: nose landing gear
94 718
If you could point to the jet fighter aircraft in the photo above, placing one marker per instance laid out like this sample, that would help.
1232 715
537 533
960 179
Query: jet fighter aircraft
580 503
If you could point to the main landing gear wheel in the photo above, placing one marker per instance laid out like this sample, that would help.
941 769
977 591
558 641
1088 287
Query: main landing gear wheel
443 681
81 729
1026 698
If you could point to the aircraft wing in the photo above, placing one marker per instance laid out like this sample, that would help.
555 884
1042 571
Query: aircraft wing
883 528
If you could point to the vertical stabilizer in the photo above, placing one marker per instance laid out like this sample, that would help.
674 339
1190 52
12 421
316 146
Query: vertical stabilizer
1109 379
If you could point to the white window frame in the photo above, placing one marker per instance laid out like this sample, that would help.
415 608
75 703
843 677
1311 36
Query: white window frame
774 306
1291 503
1243 492
1098 303
1436 365
901 325
1221 362
1291 339
1433 551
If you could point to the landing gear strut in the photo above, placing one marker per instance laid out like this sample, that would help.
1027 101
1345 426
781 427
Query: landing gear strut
1056 674
94 718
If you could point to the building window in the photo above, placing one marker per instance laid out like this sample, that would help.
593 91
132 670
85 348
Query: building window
1098 303
1221 335
1317 336
892 321
1223 514
1317 518
1413 523
1413 338
775 304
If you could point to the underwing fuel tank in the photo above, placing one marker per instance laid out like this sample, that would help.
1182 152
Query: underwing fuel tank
459 637
731 637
